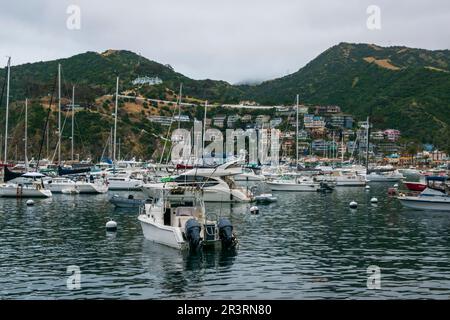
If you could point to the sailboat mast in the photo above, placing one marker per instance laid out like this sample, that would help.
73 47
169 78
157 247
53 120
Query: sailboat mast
7 110
26 134
204 132
73 119
115 121
59 114
179 105
119 151
368 143
296 135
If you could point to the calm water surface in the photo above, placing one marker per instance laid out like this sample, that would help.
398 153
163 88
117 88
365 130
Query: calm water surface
306 246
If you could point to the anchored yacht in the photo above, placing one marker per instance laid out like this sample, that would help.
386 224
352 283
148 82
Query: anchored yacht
216 184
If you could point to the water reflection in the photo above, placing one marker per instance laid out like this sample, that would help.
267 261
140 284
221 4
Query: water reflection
306 245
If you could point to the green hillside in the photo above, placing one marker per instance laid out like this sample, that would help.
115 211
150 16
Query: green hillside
403 88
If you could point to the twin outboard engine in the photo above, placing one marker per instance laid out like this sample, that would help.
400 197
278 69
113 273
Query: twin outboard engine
192 230
226 233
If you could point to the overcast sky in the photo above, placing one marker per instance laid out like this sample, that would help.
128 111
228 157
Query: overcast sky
232 40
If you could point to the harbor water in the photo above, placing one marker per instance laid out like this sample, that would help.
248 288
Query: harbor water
305 246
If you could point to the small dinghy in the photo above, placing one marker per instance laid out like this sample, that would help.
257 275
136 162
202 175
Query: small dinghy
265 198
128 202
326 186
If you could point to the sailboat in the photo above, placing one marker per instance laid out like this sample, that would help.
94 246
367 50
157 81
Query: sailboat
120 180
31 184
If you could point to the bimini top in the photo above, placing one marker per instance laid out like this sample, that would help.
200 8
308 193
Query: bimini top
33 175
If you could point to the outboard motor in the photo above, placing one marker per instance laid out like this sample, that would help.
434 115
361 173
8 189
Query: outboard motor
226 232
192 231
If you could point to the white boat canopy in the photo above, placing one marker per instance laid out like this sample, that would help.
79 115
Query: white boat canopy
33 175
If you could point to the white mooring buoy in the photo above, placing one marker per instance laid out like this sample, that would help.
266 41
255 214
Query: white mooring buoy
374 200
111 225
396 185
254 210
353 204
30 202
367 187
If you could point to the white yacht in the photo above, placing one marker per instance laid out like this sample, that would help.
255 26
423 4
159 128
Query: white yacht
389 176
34 188
294 184
91 185
344 178
178 220
124 182
61 185
216 184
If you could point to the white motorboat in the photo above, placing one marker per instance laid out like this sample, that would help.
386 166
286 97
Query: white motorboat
181 222
248 175
124 182
344 178
302 184
435 197
390 176
91 185
61 185
217 184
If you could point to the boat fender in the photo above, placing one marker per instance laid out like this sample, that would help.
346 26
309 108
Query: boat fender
192 230
225 232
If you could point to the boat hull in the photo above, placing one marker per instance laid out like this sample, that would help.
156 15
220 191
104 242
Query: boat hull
91 188
209 194
126 203
125 185
415 186
274 186
425 204
17 192
59 188
165 235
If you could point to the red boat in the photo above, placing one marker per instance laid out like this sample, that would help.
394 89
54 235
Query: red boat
415 186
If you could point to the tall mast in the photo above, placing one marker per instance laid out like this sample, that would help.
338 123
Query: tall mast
119 151
59 114
179 105
204 131
296 137
73 119
115 121
26 134
7 110
368 142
